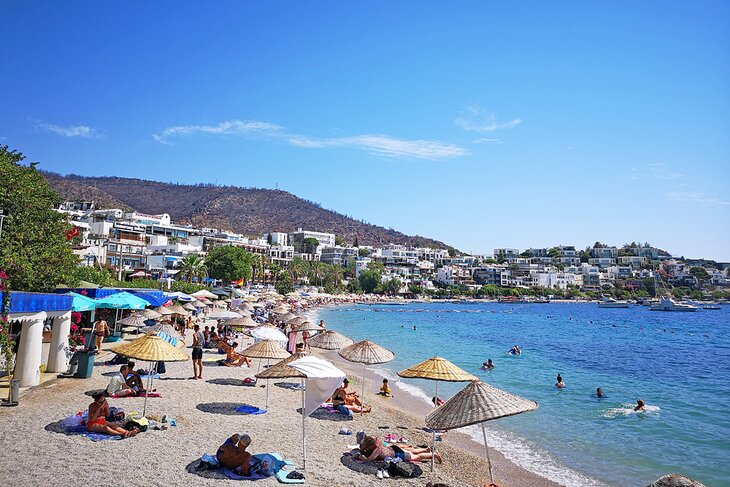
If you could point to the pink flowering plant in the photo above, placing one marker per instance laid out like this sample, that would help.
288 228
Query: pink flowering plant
76 338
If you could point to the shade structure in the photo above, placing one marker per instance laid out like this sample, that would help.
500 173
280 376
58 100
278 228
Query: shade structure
150 348
306 326
204 293
164 311
180 296
366 353
476 403
245 322
198 304
151 314
267 349
178 310
323 378
298 320
269 333
281 370
189 307
329 340
168 330
286 317
224 315
135 319
81 302
438 369
280 310
123 300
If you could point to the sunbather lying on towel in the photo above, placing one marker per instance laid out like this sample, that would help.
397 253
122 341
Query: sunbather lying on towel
347 402
118 384
96 422
372 449
232 454
234 359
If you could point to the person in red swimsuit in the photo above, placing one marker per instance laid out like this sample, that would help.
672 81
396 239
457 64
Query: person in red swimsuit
96 422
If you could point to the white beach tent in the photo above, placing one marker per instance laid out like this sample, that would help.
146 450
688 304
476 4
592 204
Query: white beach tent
269 333
323 379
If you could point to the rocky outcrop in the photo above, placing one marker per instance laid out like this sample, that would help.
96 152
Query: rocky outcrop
675 480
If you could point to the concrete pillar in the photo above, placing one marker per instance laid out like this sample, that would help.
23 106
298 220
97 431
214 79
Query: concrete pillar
28 361
57 358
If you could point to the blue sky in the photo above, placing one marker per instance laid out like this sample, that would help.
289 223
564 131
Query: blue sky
482 124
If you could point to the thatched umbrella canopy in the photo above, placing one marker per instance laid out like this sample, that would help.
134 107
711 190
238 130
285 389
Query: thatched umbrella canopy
281 370
267 349
151 314
150 348
198 304
366 352
189 307
306 326
178 310
438 369
329 340
135 319
478 402
297 320
163 311
243 322
287 317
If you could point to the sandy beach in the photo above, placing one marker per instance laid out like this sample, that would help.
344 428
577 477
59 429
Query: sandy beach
34 453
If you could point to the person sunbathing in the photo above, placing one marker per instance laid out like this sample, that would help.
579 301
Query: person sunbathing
234 359
96 421
347 402
373 449
118 384
134 380
233 455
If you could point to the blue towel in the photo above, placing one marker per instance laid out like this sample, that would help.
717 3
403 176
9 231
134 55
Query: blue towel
145 377
247 409
73 426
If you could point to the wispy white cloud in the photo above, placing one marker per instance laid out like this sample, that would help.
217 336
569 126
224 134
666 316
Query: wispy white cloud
474 119
656 171
82 131
484 140
381 145
697 197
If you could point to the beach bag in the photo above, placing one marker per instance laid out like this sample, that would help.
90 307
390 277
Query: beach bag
404 469
161 368
115 414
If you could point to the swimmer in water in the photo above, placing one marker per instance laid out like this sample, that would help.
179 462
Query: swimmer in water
640 405
599 392
559 384
414 327
515 350
488 365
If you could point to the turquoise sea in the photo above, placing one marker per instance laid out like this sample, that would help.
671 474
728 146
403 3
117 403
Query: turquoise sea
678 363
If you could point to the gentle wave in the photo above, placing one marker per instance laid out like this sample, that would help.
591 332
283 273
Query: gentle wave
628 410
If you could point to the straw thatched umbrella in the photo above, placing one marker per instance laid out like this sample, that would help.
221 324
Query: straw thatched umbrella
329 340
306 326
366 353
244 322
151 314
286 317
189 307
135 319
198 304
478 402
163 311
438 369
298 320
178 310
150 348
267 349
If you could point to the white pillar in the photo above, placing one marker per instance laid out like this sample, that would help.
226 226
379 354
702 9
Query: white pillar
28 362
57 358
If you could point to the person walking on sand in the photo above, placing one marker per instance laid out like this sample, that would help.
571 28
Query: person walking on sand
100 329
197 352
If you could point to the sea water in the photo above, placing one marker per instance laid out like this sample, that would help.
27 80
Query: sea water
678 363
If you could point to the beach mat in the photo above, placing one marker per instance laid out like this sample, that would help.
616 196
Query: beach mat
229 408
74 426
209 471
149 394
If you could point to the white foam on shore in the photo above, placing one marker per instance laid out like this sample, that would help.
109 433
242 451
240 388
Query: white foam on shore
628 410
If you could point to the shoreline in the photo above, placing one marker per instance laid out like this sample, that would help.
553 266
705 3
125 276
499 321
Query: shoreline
505 471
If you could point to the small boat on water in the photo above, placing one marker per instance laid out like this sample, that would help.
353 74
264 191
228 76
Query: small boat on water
668 304
613 303
711 306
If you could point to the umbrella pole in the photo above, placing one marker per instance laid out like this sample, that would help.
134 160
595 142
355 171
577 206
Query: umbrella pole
268 361
304 433
433 431
362 401
486 448
150 372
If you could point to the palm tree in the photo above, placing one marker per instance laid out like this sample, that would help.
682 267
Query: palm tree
192 266
257 266
333 275
298 268
315 271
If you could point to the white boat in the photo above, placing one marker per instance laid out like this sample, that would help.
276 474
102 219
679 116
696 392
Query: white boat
668 304
613 303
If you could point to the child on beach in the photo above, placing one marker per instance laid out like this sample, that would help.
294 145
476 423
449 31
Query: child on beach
385 389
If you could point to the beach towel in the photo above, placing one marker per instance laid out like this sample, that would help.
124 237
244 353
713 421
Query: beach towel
248 409
145 377
263 465
76 425
149 394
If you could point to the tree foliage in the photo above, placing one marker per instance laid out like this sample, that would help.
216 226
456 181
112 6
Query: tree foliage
369 280
229 263
33 247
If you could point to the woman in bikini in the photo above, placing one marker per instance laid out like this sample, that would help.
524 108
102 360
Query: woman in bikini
372 449
341 399
96 421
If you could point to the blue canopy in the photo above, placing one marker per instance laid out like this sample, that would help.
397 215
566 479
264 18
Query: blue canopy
153 299
123 300
81 303
21 302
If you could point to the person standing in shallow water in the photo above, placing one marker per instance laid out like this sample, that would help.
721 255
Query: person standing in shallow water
599 392
559 384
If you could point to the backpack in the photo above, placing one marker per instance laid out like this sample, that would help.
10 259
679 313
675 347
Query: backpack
404 469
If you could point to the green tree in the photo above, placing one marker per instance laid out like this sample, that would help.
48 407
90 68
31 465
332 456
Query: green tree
192 266
339 241
369 280
284 283
554 253
332 276
699 272
415 289
96 275
315 272
298 269
377 267
229 263
391 286
258 264
309 245
33 247
363 252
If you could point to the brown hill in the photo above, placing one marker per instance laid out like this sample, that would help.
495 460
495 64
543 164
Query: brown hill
250 211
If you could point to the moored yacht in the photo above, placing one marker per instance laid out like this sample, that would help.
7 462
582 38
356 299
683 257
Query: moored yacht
668 304
613 303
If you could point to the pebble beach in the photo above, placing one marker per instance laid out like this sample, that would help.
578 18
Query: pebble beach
35 453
